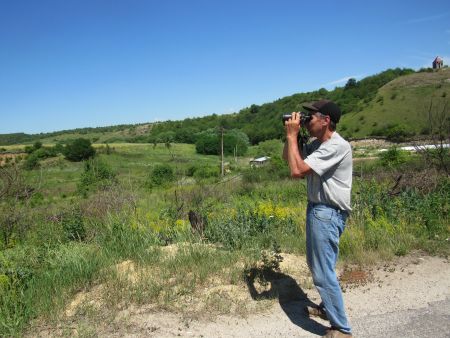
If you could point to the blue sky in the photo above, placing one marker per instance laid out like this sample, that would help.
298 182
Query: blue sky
66 64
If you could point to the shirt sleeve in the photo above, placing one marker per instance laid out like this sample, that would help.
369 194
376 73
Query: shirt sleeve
325 157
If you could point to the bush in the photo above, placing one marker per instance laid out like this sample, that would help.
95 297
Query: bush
79 150
276 169
73 225
31 162
191 170
393 132
97 174
161 175
270 148
206 172
398 133
393 157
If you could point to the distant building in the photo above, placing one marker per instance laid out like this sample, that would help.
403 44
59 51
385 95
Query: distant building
438 63
259 162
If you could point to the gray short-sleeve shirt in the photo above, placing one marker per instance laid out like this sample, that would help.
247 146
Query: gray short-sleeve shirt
331 180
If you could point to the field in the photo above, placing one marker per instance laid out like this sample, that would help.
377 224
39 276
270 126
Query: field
82 241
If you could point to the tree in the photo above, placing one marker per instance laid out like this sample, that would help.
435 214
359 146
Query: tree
254 109
351 83
270 148
79 150
235 141
208 142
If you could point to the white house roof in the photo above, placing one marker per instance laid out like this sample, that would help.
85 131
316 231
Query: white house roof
261 159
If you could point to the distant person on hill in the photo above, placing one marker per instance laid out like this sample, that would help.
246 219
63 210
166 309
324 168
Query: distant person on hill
327 165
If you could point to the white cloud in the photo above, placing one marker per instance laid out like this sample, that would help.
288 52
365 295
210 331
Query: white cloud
344 79
427 18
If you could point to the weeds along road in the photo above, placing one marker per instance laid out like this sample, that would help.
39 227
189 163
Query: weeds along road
409 297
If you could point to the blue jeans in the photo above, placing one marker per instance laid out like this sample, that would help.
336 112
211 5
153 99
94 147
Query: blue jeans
324 226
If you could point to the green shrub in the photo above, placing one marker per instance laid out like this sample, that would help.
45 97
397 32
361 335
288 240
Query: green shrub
206 172
398 133
393 157
31 162
37 145
191 170
249 228
73 225
161 175
276 169
393 132
97 174
270 148
79 150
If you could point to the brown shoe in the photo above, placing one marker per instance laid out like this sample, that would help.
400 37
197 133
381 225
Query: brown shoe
332 333
316 311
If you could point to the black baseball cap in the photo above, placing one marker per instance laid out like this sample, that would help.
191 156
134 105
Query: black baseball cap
325 107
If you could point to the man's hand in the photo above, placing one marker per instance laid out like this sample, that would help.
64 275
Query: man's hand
292 126
291 153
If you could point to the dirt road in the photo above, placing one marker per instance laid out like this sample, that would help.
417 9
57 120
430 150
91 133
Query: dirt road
409 297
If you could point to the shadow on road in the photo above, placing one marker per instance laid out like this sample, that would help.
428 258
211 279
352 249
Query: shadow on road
291 297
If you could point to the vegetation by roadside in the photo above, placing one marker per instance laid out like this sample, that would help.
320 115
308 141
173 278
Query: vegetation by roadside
98 229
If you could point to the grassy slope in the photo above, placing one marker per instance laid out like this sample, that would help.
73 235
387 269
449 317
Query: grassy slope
403 101
100 137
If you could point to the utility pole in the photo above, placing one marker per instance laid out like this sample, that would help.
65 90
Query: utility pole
221 147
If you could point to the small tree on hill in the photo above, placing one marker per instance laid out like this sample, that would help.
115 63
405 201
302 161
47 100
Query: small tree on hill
79 150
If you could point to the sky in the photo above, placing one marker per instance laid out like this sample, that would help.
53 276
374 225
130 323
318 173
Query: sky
68 64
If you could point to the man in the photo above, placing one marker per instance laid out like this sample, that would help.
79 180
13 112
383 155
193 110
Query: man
327 165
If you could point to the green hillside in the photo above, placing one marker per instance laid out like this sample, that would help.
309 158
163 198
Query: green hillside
393 102
404 103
